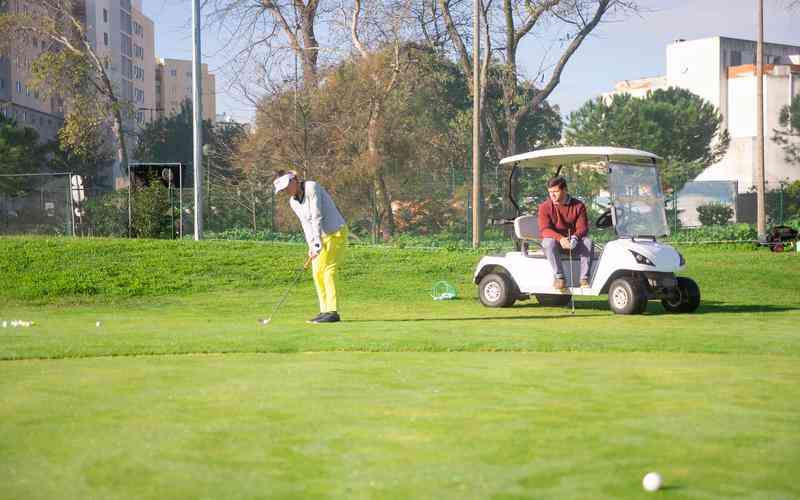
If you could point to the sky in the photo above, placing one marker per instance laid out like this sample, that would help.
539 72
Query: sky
632 48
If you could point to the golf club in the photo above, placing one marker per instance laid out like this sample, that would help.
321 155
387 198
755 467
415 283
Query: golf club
297 275
571 295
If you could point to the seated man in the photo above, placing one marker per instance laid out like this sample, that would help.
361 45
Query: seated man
563 226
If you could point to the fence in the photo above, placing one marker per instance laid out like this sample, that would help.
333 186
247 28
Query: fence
702 203
42 203
160 205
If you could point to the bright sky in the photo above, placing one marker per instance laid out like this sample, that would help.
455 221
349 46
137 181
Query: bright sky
630 49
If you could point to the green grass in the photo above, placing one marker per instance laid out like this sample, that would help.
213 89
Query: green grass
182 393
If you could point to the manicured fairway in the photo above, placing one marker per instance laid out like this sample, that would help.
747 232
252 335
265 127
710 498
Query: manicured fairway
400 425
181 393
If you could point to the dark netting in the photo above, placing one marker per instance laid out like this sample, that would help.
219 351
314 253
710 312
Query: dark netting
38 204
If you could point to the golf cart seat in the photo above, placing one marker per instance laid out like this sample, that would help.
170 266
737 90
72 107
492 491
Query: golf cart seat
526 229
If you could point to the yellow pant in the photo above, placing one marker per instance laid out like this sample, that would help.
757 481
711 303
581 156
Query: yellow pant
324 268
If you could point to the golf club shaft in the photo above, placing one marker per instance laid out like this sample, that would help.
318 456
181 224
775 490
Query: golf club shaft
297 275
571 295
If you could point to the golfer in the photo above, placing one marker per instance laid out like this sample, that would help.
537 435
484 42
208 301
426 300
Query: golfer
563 227
326 234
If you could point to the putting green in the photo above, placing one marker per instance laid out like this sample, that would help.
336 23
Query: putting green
400 425
181 393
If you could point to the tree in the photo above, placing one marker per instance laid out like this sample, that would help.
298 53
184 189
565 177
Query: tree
260 36
69 67
518 21
169 139
673 123
20 152
789 135
324 134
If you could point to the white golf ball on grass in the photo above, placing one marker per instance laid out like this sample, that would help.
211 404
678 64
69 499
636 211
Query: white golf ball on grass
651 481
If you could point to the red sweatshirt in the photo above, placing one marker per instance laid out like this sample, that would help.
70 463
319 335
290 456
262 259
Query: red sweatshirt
556 221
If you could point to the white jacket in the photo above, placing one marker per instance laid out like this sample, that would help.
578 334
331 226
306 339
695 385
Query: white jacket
317 213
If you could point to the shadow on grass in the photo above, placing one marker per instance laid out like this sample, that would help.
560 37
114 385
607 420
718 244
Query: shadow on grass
484 318
712 307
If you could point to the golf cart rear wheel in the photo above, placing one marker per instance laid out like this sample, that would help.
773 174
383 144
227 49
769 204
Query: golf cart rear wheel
686 298
497 290
552 300
626 296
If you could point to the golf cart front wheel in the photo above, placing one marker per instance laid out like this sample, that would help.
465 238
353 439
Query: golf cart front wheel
685 299
626 296
496 290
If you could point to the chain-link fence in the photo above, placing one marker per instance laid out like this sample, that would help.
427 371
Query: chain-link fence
719 203
160 204
40 203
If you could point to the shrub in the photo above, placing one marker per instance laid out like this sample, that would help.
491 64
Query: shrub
151 217
714 214
107 214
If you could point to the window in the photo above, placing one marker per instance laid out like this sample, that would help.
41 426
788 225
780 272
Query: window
736 58
126 46
138 95
127 91
138 51
127 67
173 72
137 29
2 84
19 87
105 16
105 39
125 4
125 20
188 74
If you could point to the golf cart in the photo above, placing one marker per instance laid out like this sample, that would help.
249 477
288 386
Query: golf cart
632 269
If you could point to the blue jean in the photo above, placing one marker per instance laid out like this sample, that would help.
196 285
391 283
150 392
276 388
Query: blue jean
552 250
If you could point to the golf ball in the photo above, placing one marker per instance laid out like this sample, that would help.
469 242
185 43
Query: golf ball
98 324
651 481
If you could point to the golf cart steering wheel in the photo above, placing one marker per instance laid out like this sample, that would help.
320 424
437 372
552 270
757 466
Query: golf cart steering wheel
604 220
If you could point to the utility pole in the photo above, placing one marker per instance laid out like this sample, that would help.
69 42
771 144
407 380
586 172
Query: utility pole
197 128
476 125
760 188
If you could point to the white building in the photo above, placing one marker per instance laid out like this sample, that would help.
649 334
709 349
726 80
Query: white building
174 86
18 100
125 37
722 71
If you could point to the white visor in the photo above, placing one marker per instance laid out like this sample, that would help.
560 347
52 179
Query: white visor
281 182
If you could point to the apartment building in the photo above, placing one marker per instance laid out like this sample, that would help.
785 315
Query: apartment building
722 71
174 85
17 99
125 39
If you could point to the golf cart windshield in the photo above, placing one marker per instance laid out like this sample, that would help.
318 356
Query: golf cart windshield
637 200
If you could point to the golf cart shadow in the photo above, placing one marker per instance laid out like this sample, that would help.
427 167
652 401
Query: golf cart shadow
654 307
713 307
482 318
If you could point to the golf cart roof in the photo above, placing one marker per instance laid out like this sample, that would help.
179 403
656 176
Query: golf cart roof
555 157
